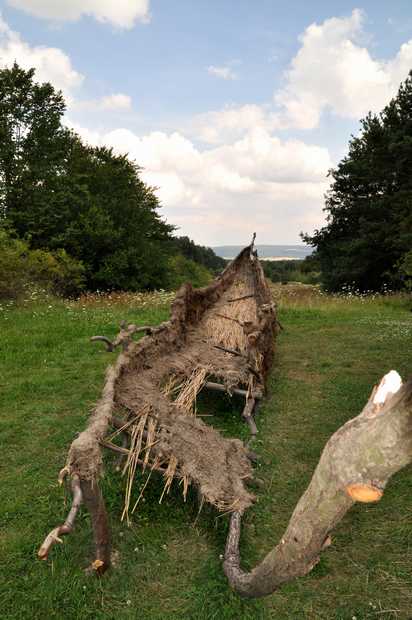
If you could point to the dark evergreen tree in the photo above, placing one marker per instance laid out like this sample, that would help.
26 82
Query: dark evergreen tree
369 205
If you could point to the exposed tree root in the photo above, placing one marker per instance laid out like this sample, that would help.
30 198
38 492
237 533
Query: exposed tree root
54 536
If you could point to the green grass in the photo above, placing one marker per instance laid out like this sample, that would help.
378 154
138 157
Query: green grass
168 566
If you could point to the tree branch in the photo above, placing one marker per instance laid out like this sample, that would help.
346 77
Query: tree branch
356 464
108 343
67 527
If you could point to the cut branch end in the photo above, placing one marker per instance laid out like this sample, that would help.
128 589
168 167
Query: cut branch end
364 493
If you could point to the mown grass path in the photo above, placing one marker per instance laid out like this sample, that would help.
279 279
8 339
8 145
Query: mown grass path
168 565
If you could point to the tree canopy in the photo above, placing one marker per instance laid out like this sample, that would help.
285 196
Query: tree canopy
368 233
57 193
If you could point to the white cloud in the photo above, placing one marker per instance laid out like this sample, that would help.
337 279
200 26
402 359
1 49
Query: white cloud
213 193
224 72
54 66
117 101
333 70
119 13
51 63
233 121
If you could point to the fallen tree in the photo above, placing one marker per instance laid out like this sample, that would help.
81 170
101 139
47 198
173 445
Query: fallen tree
356 464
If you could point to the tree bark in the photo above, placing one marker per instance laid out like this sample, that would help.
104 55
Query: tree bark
356 464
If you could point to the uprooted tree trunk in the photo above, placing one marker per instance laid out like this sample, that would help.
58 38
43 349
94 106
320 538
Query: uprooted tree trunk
356 464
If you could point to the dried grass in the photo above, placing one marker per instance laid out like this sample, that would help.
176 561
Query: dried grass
190 388
136 441
143 436
223 324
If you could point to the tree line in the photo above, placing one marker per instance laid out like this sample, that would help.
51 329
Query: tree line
284 271
76 215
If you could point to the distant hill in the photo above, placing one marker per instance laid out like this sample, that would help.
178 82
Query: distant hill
267 252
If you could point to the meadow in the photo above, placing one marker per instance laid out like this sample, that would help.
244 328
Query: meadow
168 561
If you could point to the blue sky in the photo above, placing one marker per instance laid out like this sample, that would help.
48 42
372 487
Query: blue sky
236 110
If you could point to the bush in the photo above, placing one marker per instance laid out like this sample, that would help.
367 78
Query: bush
13 270
183 270
56 271
21 268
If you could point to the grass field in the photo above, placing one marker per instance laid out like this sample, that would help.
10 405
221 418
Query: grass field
328 357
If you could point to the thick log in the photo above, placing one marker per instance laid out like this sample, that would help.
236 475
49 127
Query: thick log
94 503
362 456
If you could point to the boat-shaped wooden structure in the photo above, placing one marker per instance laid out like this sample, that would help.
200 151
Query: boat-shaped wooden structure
220 338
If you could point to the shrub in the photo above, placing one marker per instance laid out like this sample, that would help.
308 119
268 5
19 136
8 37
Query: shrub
56 271
183 270
21 267
13 270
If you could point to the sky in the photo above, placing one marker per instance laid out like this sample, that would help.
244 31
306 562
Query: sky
234 109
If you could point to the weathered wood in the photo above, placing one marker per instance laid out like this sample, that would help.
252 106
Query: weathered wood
94 502
366 451
218 387
108 343
247 415
67 527
124 338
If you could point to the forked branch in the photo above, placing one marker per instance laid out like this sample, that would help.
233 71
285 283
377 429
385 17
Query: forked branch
124 337
356 464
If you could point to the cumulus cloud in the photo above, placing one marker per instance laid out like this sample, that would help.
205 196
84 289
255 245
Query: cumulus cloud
51 63
119 13
333 70
54 66
224 72
233 121
212 193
